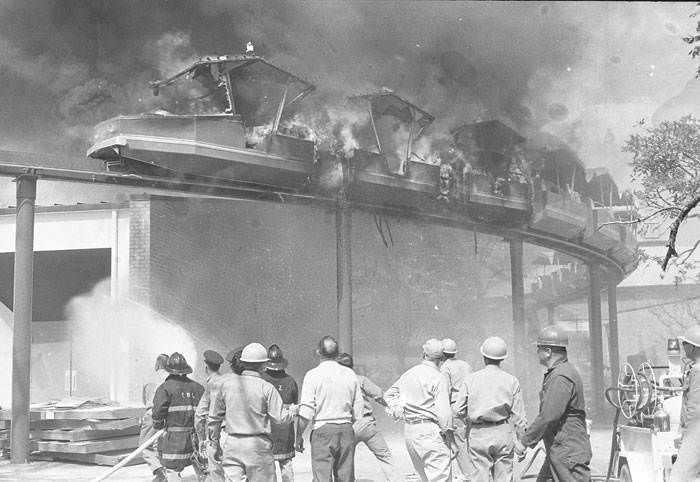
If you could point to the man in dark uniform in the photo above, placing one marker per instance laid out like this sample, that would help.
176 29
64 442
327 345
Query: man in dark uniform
282 435
561 422
174 404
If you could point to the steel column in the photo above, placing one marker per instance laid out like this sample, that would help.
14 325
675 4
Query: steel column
22 325
595 326
613 339
518 300
343 231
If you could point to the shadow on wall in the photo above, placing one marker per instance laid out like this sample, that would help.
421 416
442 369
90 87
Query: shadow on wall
115 342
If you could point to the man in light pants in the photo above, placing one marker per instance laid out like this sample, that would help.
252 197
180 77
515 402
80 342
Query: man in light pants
421 399
456 370
366 427
687 466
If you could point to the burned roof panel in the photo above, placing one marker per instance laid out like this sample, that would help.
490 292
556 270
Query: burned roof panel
388 103
219 64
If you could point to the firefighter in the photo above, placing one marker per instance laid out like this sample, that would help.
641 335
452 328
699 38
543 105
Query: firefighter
249 405
150 454
282 435
212 363
561 422
421 399
456 370
174 405
494 402
687 466
366 427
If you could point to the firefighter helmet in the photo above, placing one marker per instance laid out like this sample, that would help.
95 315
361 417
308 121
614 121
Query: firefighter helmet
277 359
449 346
692 336
552 335
254 353
494 348
177 365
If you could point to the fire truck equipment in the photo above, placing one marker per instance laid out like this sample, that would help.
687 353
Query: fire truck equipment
644 448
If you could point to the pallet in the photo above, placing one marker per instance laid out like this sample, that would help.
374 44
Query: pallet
80 434
93 424
86 446
107 458
99 413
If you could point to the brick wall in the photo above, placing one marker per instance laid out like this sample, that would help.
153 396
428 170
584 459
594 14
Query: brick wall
140 248
232 272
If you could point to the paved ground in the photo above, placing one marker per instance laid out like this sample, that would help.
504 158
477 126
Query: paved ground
366 467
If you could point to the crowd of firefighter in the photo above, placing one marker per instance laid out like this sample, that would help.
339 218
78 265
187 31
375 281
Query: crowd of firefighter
459 424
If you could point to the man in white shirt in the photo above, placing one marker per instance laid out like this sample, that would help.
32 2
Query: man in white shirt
331 401
421 398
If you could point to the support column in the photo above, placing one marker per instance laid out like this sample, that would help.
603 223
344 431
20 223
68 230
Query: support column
613 339
550 314
22 325
595 327
518 299
343 231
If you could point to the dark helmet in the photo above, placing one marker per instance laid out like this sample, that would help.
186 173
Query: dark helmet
177 365
552 335
277 360
346 360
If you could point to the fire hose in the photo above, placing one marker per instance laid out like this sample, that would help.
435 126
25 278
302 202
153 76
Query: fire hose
132 455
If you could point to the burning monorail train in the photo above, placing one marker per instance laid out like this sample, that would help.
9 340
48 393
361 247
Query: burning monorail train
228 120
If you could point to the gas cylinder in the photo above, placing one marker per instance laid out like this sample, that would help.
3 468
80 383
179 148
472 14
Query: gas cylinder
662 420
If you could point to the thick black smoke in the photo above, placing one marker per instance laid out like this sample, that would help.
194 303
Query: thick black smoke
69 64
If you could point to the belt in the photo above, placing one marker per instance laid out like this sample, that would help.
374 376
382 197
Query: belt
416 421
488 424
245 435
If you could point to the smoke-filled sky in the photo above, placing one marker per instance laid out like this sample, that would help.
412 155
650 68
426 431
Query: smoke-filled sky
586 72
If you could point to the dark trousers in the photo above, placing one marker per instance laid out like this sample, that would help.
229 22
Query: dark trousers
333 453
557 470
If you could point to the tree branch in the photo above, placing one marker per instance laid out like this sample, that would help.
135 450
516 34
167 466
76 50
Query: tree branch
688 252
639 220
671 251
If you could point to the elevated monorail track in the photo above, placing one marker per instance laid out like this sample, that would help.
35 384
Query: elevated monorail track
53 167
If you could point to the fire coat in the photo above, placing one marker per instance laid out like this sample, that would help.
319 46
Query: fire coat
174 405
561 422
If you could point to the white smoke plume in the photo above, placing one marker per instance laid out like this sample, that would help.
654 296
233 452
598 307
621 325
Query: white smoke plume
122 338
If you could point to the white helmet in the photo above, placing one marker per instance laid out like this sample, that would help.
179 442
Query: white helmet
254 353
449 346
494 348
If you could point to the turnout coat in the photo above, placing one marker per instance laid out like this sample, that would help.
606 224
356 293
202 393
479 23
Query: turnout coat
174 405
561 424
